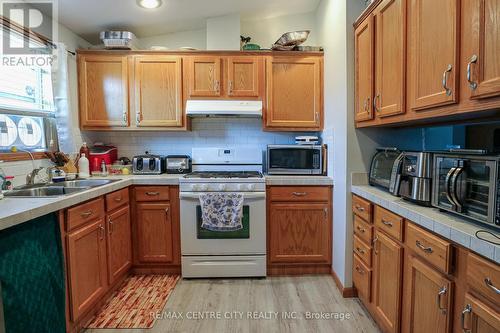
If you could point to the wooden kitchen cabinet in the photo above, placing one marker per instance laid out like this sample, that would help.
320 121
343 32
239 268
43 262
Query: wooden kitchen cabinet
204 76
299 233
478 317
244 76
427 298
364 70
157 91
155 233
387 281
87 266
294 88
103 90
119 243
433 40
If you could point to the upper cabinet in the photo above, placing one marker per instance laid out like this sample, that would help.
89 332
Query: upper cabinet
124 90
427 61
294 93
103 91
433 38
157 88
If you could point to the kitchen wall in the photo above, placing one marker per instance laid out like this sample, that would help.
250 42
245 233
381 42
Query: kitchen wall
191 38
206 132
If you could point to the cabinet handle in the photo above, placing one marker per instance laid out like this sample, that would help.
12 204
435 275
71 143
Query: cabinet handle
152 194
362 230
387 223
101 231
359 208
325 211
110 223
125 118
230 87
359 270
367 102
299 194
423 248
375 103
138 118
217 86
490 285
374 243
468 309
441 292
86 214
316 117
445 80
472 84
360 250
118 199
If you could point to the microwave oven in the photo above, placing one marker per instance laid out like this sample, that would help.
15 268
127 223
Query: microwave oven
294 160
468 185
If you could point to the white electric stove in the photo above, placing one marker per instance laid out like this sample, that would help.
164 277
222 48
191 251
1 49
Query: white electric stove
240 253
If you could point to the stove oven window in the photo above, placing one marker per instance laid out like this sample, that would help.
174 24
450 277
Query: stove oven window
237 234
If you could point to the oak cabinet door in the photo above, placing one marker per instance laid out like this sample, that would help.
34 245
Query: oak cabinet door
364 70
427 299
158 91
87 267
243 75
477 317
204 76
294 93
433 53
119 243
387 271
483 70
390 58
155 233
299 233
103 91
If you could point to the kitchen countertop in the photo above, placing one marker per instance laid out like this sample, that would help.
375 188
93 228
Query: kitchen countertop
447 225
14 211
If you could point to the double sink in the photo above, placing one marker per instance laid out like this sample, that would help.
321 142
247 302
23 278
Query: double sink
56 189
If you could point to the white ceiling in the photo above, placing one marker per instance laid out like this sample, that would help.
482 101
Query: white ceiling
88 17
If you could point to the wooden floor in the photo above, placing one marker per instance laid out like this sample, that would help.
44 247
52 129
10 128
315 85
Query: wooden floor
268 299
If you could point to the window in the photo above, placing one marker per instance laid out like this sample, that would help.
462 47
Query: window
27 108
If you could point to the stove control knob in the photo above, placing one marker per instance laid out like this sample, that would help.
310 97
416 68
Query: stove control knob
204 187
251 187
222 187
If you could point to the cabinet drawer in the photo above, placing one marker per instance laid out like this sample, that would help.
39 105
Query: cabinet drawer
152 193
363 250
363 229
89 211
484 276
389 222
362 208
434 249
116 199
299 193
361 276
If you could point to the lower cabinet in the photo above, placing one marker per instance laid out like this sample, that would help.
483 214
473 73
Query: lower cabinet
119 243
477 317
154 233
427 298
299 229
387 271
87 266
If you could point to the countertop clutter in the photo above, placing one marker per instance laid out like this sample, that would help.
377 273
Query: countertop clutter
449 226
14 211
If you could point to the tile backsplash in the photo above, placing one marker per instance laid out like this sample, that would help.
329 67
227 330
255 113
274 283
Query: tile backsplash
20 169
205 132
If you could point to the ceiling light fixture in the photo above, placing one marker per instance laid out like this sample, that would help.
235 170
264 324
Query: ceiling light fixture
149 4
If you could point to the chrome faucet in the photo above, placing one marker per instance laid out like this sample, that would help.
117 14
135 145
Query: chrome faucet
30 178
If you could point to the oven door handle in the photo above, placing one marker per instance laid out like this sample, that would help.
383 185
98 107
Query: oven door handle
454 195
251 195
448 185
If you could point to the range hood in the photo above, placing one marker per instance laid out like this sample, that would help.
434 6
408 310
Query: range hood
223 108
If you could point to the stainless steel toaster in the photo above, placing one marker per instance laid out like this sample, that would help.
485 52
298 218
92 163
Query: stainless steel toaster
178 164
148 165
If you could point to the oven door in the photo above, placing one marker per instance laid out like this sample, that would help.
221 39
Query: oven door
196 240
305 160
466 186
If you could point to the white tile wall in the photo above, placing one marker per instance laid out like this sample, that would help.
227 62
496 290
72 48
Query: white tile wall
206 132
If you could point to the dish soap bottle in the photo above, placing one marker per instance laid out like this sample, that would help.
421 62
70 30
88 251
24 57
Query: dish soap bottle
83 167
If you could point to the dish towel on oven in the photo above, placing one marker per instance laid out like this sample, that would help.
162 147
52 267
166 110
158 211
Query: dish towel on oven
221 211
